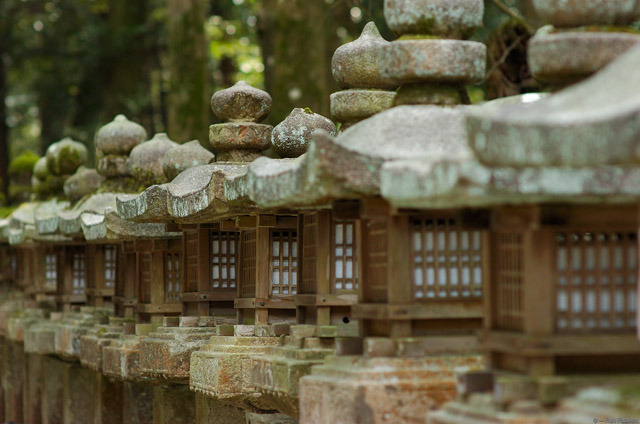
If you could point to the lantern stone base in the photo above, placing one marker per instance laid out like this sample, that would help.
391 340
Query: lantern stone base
13 365
137 403
209 410
277 373
354 389
120 359
519 399
79 394
166 354
40 338
20 322
173 404
34 388
222 370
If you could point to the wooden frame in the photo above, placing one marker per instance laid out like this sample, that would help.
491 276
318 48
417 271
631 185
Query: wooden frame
211 270
72 275
423 273
102 271
260 263
328 274
560 273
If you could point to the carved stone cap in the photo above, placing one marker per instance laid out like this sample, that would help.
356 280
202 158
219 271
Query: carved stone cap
446 18
119 136
357 64
241 103
291 137
145 160
84 182
65 156
185 156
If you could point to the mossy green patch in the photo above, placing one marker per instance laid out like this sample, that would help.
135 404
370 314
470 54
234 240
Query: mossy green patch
23 163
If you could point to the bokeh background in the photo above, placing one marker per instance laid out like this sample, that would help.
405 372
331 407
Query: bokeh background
69 66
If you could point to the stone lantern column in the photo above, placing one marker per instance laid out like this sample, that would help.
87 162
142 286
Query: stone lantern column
432 61
583 37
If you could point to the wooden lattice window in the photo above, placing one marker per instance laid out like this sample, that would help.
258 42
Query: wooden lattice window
284 263
172 276
248 287
345 269
223 259
78 271
509 280
191 252
110 266
595 276
447 260
144 276
51 269
377 261
309 253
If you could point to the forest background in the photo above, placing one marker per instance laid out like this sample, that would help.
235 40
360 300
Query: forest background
69 66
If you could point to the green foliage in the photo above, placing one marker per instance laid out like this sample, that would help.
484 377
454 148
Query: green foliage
5 211
234 42
23 164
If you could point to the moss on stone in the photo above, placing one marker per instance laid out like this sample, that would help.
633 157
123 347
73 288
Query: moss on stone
23 163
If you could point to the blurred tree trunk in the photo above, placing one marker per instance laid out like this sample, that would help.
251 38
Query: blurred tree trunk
298 38
128 62
188 94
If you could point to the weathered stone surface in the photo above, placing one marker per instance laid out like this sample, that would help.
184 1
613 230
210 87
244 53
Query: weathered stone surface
239 136
563 57
111 166
596 122
277 373
254 418
145 160
241 103
137 407
430 94
185 156
170 405
357 64
574 13
119 136
440 61
120 359
70 221
210 410
46 215
352 389
291 137
449 18
83 183
166 353
65 156
92 343
356 105
619 401
222 369
78 394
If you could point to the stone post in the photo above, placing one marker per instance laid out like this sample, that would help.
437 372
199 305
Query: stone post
431 61
584 37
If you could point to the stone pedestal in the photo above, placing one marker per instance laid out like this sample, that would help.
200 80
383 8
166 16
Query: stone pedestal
277 373
20 322
222 369
265 418
543 400
120 359
79 395
351 389
13 381
34 390
209 410
108 400
40 338
53 390
96 339
137 403
73 327
173 404
166 354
